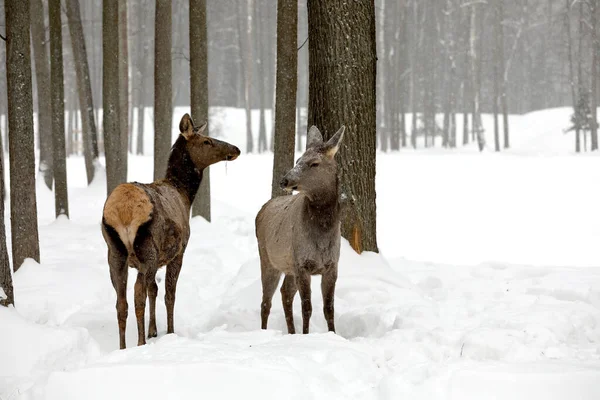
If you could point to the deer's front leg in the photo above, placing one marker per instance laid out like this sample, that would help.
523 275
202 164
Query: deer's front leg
303 284
328 290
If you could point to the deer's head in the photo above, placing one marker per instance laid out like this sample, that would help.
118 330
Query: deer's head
316 169
204 150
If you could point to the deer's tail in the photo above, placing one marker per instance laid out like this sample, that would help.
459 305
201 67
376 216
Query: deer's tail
127 208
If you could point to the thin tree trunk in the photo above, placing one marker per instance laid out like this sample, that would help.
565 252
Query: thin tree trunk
123 88
595 13
571 66
42 72
110 93
503 83
413 75
475 66
466 92
497 63
84 88
285 95
342 34
23 210
199 92
580 74
163 92
261 77
245 46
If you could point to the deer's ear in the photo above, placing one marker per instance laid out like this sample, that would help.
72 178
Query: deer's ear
202 128
313 137
186 126
333 145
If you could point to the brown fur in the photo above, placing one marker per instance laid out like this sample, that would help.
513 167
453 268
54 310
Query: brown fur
146 226
127 207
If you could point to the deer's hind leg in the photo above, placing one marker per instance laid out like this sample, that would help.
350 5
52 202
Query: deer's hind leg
288 291
269 277
140 307
152 290
173 269
118 275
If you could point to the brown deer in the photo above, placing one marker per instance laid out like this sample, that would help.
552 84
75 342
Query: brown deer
299 235
146 226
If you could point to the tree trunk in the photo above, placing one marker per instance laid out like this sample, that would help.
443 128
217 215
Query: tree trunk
163 92
595 13
57 89
6 283
580 74
475 76
23 211
503 82
342 73
199 92
497 64
42 72
466 92
123 88
84 88
261 77
285 91
413 75
245 46
110 94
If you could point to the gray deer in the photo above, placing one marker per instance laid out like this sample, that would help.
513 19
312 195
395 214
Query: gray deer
299 235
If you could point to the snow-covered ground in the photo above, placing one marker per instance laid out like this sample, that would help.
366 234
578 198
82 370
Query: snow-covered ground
487 287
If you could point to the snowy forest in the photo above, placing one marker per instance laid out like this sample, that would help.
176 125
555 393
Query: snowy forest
428 166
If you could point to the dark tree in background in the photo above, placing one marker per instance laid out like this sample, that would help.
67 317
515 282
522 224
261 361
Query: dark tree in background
199 93
23 211
61 200
163 103
123 87
285 95
342 69
84 88
39 43
110 94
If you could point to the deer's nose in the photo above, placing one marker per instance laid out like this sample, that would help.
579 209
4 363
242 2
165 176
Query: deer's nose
284 183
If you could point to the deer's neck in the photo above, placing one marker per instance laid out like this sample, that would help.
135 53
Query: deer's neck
182 173
322 208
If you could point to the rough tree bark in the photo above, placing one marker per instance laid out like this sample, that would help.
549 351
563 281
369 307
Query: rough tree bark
285 91
342 74
110 93
163 92
199 92
42 73
57 90
84 89
123 88
23 211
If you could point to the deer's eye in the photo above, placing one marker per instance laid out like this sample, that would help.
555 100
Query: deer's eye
315 164
206 141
